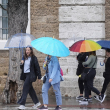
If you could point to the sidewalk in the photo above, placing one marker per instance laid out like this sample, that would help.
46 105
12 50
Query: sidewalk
68 104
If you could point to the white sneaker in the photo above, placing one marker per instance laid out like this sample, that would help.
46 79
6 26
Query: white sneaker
21 107
36 105
83 102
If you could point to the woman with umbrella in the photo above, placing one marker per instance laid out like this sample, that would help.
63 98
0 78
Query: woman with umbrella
90 69
30 72
81 57
52 47
53 78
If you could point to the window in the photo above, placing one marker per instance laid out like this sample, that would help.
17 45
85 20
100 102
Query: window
3 21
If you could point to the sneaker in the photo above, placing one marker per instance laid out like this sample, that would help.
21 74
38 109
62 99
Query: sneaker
21 107
96 97
90 99
84 101
58 108
43 108
36 105
102 98
79 97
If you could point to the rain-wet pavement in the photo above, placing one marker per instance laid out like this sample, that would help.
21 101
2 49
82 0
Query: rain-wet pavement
68 104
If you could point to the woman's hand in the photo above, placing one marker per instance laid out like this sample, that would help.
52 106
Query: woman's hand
39 81
22 61
45 63
50 80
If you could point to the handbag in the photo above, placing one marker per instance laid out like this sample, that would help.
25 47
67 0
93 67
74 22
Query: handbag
61 71
104 73
48 61
44 79
83 75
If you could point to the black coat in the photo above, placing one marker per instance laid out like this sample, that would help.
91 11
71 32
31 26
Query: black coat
107 69
34 70
81 57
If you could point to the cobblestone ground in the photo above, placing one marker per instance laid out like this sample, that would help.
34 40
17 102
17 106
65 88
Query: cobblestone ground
68 104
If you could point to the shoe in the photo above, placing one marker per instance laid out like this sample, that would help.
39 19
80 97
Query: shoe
21 107
96 97
102 98
36 105
90 99
84 101
79 97
43 108
58 108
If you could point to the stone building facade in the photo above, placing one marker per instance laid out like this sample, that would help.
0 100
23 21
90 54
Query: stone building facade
64 19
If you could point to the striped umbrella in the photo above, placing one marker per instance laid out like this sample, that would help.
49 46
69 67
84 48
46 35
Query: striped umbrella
85 46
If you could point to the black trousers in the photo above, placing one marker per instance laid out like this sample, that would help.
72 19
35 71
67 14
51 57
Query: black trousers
28 88
89 82
81 86
105 84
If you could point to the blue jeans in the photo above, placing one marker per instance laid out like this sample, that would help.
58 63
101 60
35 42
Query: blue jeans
56 88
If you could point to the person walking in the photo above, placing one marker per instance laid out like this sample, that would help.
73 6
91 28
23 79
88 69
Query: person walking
106 75
81 57
30 72
92 61
53 78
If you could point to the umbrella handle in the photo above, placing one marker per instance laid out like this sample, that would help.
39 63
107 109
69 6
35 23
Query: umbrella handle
102 64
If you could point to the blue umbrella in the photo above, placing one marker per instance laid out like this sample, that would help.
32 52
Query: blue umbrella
19 40
104 44
50 46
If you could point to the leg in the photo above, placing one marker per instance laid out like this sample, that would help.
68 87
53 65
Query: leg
81 86
106 82
26 88
90 80
33 95
90 94
56 88
86 90
45 89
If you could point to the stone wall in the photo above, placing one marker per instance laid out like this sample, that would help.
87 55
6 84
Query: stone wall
44 22
80 18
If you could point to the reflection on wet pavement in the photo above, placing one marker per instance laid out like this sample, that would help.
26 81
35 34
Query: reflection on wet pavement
68 104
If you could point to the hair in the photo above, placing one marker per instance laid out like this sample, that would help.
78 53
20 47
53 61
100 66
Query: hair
92 53
31 54
108 50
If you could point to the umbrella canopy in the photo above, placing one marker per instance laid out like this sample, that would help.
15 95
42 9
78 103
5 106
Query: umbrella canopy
85 46
19 40
104 44
50 46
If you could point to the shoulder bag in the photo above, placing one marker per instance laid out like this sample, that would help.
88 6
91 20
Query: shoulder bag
83 75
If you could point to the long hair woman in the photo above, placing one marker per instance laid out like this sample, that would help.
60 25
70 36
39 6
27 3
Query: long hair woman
91 68
53 78
30 72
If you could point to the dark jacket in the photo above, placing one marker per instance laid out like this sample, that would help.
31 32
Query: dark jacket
81 57
34 70
107 69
